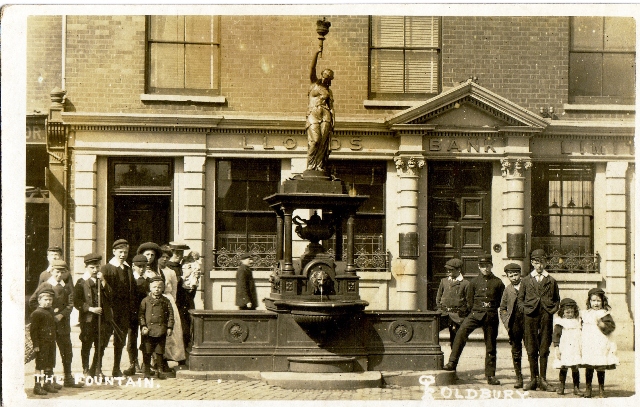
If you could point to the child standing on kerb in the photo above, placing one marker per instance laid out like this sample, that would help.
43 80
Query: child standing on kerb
43 336
567 340
156 323
513 319
598 350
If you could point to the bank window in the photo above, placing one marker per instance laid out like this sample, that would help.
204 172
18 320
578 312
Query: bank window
404 57
244 221
562 209
183 55
602 57
364 178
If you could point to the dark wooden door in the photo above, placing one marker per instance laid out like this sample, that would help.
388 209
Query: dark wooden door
141 219
459 211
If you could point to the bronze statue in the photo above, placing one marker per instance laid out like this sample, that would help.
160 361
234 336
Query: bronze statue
320 117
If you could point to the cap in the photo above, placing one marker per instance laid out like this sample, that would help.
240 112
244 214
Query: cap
568 301
140 258
485 258
178 246
46 290
54 249
150 246
453 264
92 258
154 279
538 254
59 264
512 268
598 291
119 243
244 256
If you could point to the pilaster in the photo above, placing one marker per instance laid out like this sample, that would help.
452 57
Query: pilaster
193 181
84 242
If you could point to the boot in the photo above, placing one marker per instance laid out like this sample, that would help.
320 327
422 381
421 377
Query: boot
138 368
575 374
517 367
131 370
561 389
84 356
158 358
587 393
146 359
117 355
576 390
492 380
542 383
450 367
69 381
601 390
601 383
167 370
38 390
49 382
48 387
533 367
563 379
53 382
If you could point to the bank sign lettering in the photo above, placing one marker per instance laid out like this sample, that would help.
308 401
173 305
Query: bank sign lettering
464 145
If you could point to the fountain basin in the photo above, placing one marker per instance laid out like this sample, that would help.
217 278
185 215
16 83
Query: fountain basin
317 313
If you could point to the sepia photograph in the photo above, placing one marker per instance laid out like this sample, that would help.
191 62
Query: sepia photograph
363 202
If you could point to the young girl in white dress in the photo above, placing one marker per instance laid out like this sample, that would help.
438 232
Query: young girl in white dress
567 339
598 350
174 347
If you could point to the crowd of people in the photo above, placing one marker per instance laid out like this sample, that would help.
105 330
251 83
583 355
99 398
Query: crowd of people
526 307
147 300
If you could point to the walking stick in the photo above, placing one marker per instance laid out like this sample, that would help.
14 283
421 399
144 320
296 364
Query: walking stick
99 367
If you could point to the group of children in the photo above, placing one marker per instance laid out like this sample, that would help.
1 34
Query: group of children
154 311
581 338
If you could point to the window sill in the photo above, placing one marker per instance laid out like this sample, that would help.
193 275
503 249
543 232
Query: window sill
579 277
390 104
598 108
182 98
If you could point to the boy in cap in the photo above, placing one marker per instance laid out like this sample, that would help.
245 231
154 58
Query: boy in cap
95 310
451 299
43 336
54 253
538 298
156 323
138 268
483 296
62 307
119 277
513 319
91 261
246 297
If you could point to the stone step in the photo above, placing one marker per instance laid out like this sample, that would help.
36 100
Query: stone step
323 381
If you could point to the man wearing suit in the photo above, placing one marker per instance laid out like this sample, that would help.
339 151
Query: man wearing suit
513 319
451 299
117 274
538 298
246 297
483 296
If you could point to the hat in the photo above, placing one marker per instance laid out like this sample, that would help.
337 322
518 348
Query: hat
140 258
598 291
156 278
59 264
178 246
512 268
538 254
485 258
54 249
453 264
92 258
150 246
119 243
46 290
568 302
244 256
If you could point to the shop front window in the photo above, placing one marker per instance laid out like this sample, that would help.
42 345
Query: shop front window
244 221
364 178
562 209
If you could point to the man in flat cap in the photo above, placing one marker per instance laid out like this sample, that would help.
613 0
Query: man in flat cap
117 274
246 297
62 307
538 298
451 299
483 296
513 319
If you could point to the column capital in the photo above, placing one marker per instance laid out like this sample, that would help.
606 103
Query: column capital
409 165
515 167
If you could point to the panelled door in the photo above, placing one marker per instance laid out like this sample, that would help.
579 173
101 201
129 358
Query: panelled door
459 210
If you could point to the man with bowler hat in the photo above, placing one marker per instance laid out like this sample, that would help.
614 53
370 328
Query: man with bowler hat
451 299
246 297
483 296
539 299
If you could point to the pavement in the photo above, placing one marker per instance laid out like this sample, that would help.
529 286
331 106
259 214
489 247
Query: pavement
471 384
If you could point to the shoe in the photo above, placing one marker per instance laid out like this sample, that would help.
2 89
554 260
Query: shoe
48 387
117 373
170 373
69 381
131 370
56 385
546 386
519 382
138 368
38 390
161 376
587 393
493 381
560 389
577 392
532 385
449 367
601 391
86 373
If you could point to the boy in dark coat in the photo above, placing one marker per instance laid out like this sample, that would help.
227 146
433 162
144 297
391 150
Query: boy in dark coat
140 292
246 297
43 336
78 303
451 299
538 298
513 319
156 323
94 310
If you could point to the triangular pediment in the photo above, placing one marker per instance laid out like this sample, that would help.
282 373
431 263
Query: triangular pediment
469 105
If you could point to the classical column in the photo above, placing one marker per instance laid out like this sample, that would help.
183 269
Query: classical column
405 268
84 232
513 171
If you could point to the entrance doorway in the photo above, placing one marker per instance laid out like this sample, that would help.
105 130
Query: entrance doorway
140 219
459 211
